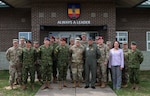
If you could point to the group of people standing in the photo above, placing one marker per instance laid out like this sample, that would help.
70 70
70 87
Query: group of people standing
88 62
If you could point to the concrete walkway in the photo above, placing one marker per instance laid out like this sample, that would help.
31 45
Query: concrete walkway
76 91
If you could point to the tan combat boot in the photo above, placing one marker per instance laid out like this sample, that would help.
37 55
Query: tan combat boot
48 85
24 87
54 80
64 84
136 87
79 84
60 85
32 86
74 84
133 86
44 85
11 85
103 85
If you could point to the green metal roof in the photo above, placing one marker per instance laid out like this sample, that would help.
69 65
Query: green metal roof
3 4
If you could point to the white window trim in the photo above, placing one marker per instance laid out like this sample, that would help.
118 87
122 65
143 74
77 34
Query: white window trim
148 32
24 32
117 36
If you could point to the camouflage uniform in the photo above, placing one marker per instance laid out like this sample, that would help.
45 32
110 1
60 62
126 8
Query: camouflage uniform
125 69
70 63
12 55
77 61
54 63
37 65
62 54
22 45
46 63
102 63
135 59
28 59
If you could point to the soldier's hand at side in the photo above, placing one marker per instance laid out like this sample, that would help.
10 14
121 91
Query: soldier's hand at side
105 63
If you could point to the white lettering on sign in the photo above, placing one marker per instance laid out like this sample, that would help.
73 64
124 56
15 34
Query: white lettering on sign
73 22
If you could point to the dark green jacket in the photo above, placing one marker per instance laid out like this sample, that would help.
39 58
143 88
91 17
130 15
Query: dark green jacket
28 57
45 55
135 58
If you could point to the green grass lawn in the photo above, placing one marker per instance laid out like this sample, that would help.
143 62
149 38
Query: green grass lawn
144 89
4 77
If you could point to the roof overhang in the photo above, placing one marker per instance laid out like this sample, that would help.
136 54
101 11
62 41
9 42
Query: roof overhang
28 3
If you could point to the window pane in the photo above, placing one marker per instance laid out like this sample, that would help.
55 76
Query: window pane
148 36
148 46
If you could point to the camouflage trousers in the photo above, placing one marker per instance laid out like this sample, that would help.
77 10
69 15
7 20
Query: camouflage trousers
12 72
28 70
62 68
125 75
77 69
46 72
134 74
38 71
102 72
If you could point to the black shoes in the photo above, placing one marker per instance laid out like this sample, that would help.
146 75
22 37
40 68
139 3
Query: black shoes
86 87
93 87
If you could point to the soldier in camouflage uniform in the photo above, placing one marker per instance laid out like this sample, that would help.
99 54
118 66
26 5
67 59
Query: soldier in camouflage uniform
102 62
46 54
54 44
135 59
62 54
109 45
22 43
125 69
12 55
70 45
37 63
28 58
84 43
76 53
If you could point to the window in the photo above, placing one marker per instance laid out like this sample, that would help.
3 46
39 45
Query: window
122 36
25 35
148 40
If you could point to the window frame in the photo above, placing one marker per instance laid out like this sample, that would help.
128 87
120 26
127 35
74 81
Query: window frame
118 36
147 41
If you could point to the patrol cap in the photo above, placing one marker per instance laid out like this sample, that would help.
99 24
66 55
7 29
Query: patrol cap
125 43
35 42
28 41
133 43
78 38
71 38
15 40
46 38
108 42
97 38
56 37
63 39
83 34
22 38
90 38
